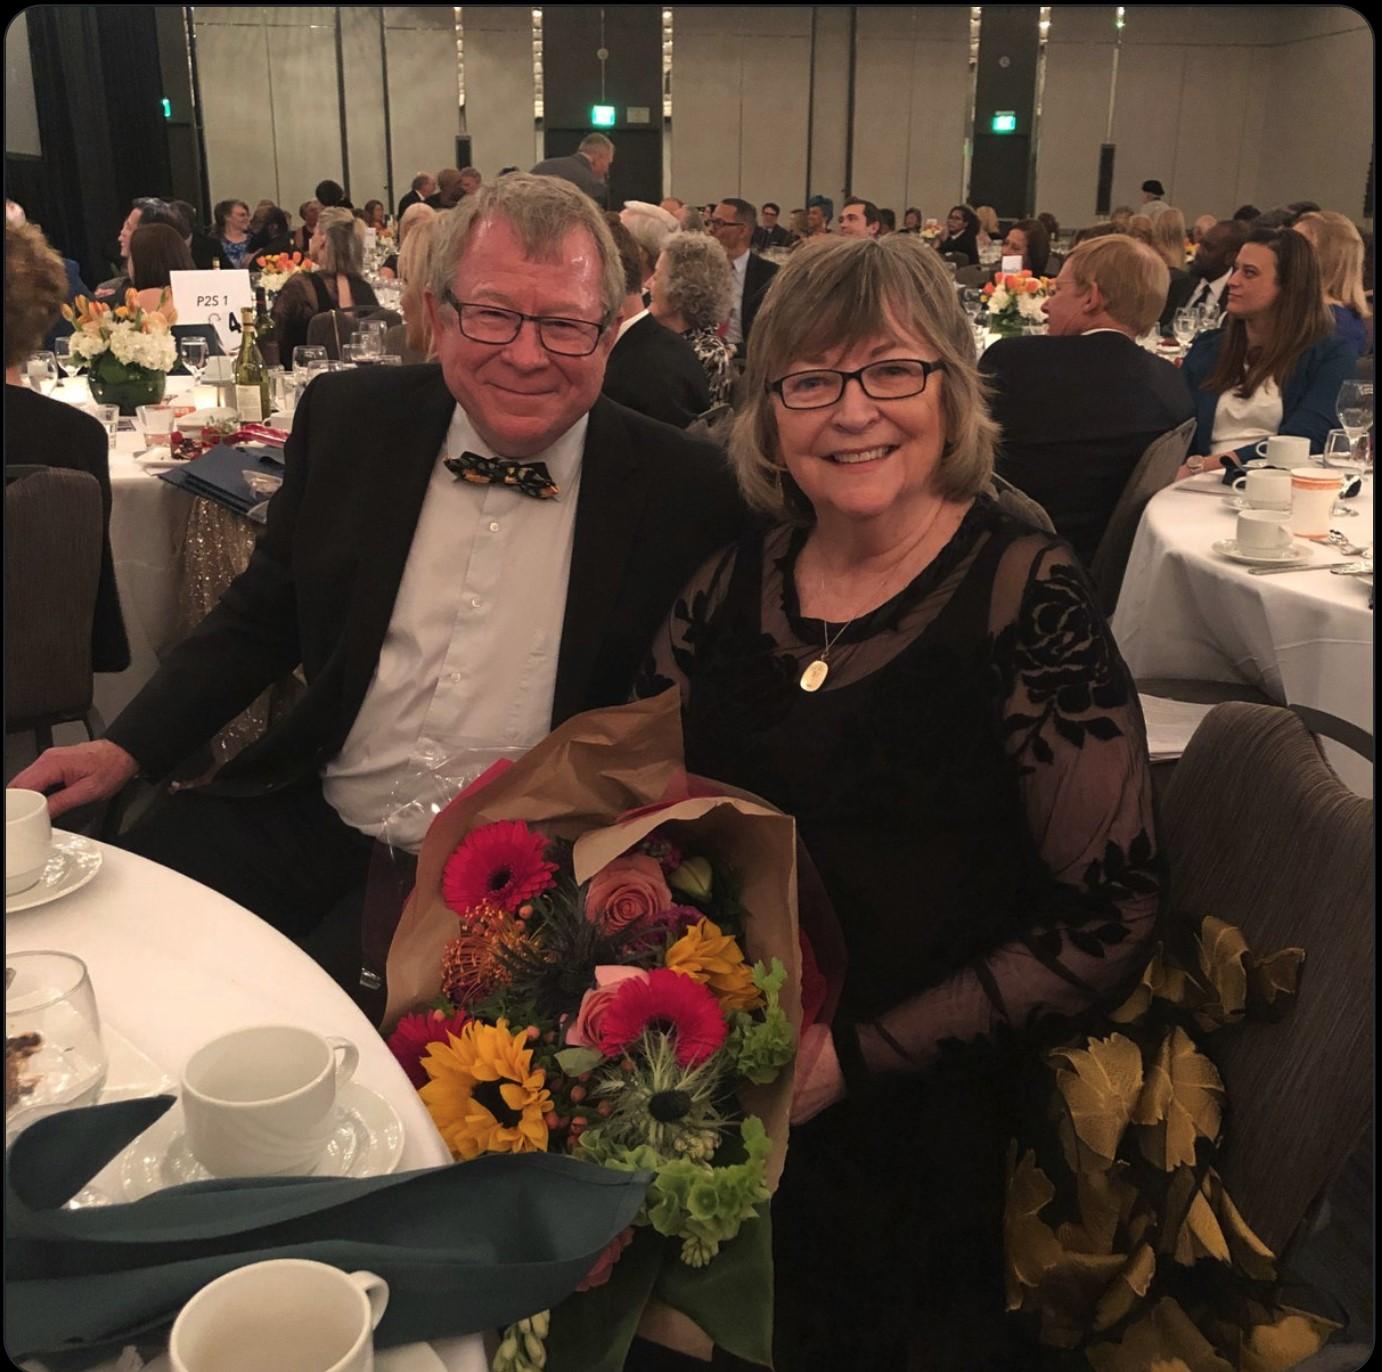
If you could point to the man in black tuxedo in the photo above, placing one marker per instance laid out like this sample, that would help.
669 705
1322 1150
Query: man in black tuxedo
424 184
651 369
1206 278
1079 407
733 224
436 598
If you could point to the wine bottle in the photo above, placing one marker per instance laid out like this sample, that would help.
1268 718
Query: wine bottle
265 334
251 375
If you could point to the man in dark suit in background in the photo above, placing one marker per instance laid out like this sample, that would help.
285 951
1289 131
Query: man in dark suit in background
1079 407
651 369
424 185
769 233
1207 276
587 168
733 223
435 595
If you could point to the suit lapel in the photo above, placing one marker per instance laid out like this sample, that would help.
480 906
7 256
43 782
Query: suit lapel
614 488
418 426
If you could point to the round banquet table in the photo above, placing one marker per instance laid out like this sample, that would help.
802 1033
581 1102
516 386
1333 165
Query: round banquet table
1303 637
173 964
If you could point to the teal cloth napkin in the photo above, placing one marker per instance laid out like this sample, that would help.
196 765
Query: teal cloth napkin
463 1248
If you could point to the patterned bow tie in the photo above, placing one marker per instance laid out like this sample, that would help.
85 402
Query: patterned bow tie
528 478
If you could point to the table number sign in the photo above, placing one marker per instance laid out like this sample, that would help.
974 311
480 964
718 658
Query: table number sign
215 298
1012 262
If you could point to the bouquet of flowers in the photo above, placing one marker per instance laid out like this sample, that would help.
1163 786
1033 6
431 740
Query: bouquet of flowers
624 992
276 267
128 350
1014 302
1107 1224
930 230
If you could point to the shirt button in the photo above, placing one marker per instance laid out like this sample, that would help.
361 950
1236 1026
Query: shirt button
454 678
494 526
476 602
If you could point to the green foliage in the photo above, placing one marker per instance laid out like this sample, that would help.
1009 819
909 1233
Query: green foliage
761 1048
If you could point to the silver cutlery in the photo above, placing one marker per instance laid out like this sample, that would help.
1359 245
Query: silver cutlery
1341 568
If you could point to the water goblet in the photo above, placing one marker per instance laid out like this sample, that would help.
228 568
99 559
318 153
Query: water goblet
69 363
41 371
1183 324
109 418
193 352
52 1036
1354 408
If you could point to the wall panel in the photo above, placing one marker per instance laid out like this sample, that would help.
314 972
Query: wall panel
306 106
361 58
238 115
424 95
499 86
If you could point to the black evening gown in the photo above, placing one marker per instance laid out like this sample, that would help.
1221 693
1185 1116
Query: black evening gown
972 782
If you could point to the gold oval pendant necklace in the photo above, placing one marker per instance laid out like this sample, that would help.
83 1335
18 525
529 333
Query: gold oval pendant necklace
813 678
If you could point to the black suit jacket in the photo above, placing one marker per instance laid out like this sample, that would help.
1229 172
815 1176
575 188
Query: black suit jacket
50 433
656 372
758 276
321 584
1076 415
408 201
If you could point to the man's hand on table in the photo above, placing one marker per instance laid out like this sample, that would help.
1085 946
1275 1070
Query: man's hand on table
1208 464
84 773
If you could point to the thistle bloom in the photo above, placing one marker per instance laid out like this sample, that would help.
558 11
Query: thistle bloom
496 864
484 1094
664 1001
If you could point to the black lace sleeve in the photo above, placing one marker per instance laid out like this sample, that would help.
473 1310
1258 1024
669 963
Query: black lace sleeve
1070 722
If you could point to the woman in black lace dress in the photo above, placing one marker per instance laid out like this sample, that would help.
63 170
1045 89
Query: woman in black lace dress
928 686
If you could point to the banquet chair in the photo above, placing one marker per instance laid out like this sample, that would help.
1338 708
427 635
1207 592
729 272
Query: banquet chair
973 276
53 533
333 329
1155 470
1259 832
1015 502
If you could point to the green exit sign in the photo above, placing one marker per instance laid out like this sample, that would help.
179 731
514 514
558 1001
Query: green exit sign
1004 121
167 108
602 116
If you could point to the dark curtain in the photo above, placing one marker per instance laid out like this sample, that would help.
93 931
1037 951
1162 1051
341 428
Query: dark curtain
97 88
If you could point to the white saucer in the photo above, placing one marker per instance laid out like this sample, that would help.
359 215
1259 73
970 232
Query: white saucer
1278 557
74 862
366 1141
1239 502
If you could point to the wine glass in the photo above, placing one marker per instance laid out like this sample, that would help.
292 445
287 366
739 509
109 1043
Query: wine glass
1183 325
193 352
51 1023
371 336
42 372
68 362
1338 449
1354 408
307 353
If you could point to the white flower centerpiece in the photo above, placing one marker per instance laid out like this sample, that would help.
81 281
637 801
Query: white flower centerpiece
128 351
1015 301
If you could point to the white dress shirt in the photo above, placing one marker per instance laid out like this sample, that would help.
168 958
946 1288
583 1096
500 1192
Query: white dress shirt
735 332
630 322
1212 291
1239 421
469 662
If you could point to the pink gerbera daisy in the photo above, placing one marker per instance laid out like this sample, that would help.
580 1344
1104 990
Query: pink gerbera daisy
413 1033
497 864
667 1001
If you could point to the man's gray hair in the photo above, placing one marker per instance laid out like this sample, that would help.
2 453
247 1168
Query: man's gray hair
343 241
651 227
595 142
542 211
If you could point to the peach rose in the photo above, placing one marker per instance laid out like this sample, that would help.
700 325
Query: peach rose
604 1264
628 890
585 1030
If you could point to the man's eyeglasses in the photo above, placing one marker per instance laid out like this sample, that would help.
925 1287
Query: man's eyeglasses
722 224
894 379
491 324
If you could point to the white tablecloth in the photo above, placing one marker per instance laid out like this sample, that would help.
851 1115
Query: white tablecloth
174 964
1303 638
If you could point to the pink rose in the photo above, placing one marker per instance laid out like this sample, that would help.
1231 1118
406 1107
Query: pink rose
604 1264
628 890
585 1032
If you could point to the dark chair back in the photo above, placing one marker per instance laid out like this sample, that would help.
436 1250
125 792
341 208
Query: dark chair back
332 329
1155 470
205 331
973 276
52 566
1258 831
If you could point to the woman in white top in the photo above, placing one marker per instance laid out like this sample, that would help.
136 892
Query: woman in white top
1276 364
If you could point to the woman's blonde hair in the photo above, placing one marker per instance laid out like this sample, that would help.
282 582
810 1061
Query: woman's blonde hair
415 214
988 219
1339 248
839 293
1168 238
1132 279
343 241
35 289
414 264
700 281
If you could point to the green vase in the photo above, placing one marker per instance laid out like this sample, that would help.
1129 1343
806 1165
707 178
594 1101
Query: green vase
1008 327
139 386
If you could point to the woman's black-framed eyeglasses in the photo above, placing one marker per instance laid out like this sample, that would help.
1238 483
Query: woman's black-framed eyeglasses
497 326
893 379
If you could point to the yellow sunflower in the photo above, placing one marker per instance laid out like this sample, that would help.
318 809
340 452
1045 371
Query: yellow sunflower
484 1095
706 955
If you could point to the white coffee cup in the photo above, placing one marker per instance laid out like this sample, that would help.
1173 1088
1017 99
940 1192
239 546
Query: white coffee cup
285 1315
258 1102
1313 493
1285 450
28 839
1264 531
1265 488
